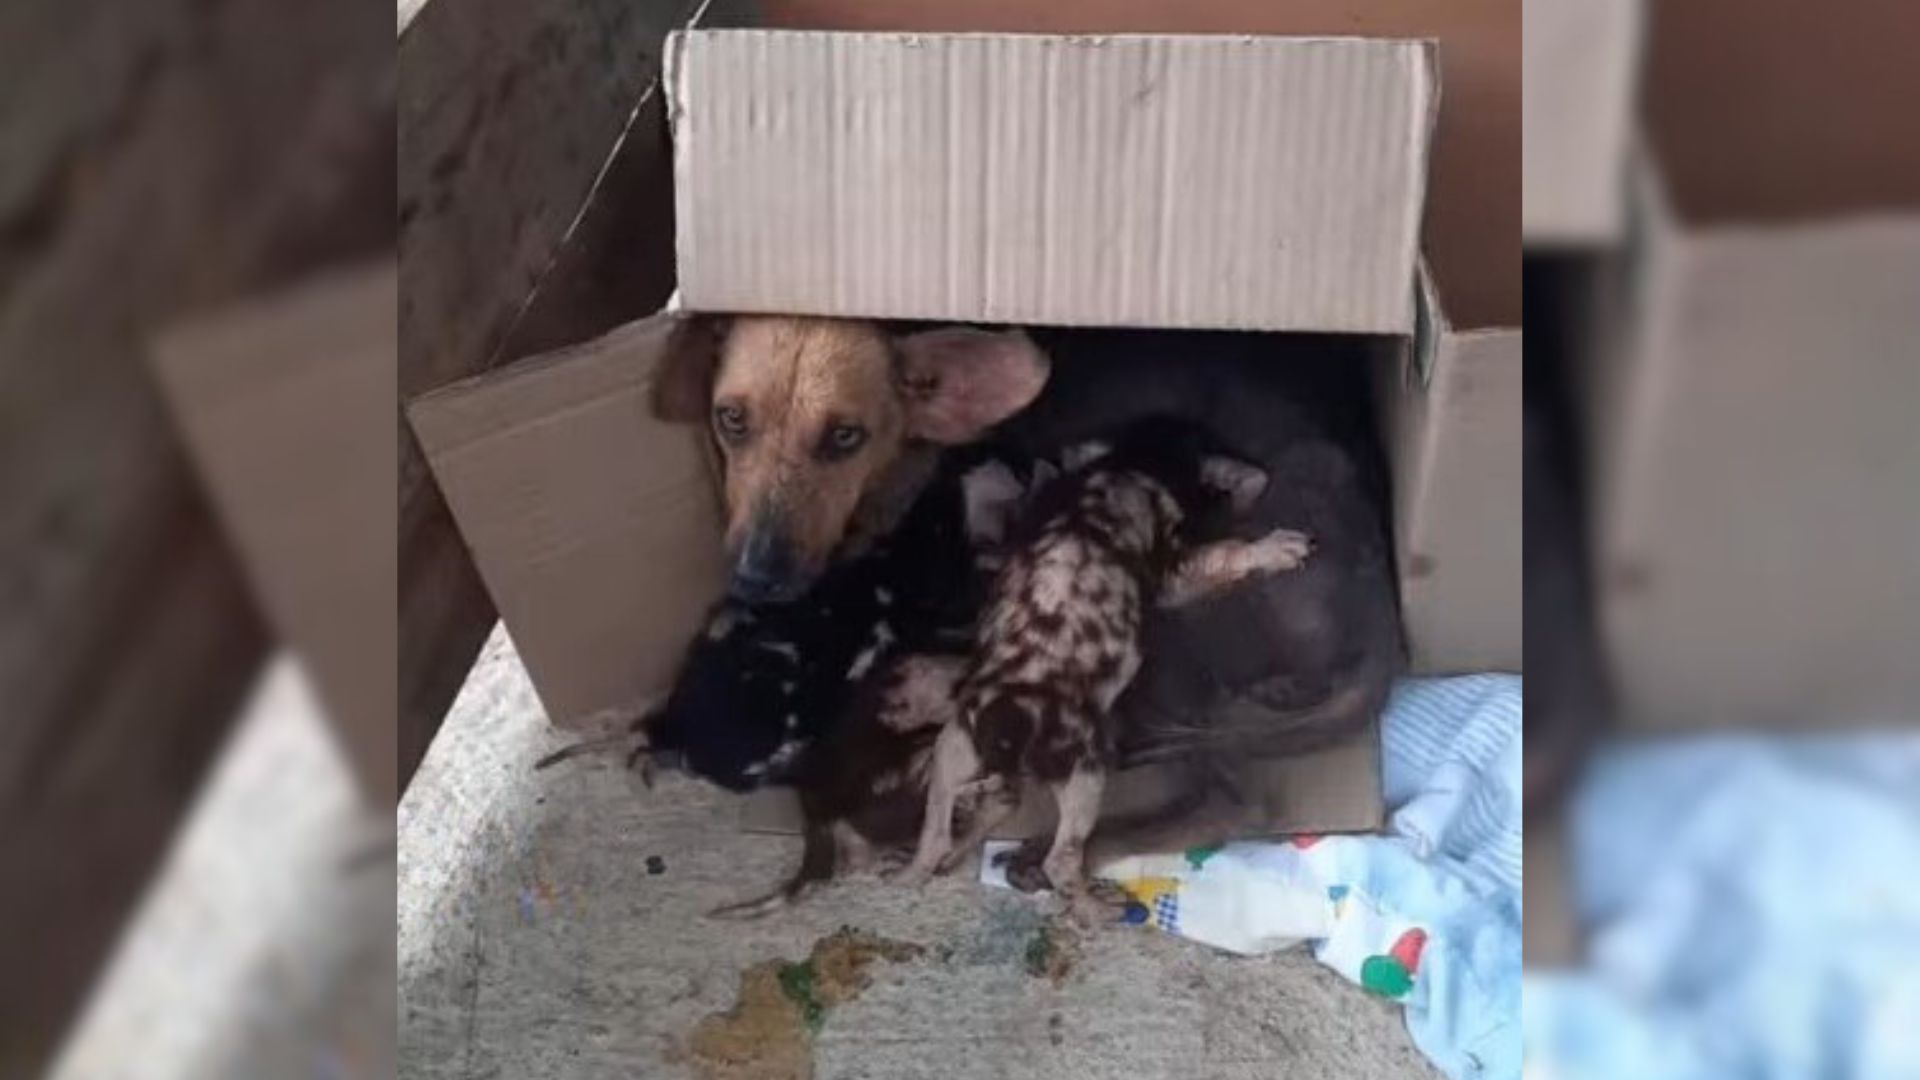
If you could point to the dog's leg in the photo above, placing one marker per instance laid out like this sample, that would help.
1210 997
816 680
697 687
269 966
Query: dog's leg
856 851
1023 864
1209 809
998 800
956 764
1212 567
1078 799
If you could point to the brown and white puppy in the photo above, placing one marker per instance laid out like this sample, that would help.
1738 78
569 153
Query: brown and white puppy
827 427
1060 637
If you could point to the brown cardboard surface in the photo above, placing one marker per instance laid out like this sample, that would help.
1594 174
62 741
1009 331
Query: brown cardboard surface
1774 110
1452 420
285 405
594 526
1059 180
1333 790
1472 231
1755 452
1582 62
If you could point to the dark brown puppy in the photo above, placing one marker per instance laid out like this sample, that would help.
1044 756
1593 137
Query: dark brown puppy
863 787
1060 638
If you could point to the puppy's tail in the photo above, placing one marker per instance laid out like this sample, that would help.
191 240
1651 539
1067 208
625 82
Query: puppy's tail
623 725
817 862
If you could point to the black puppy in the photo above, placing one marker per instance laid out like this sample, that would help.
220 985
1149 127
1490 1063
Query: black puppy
760 683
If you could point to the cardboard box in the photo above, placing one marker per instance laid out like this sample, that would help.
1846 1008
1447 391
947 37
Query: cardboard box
1066 180
1582 64
1753 436
1451 418
817 175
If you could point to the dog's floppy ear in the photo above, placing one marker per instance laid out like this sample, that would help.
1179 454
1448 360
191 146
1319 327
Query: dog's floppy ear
1241 482
683 379
958 382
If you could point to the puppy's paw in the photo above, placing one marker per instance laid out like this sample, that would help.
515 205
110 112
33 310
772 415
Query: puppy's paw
1282 550
1109 893
1093 907
1023 868
951 863
913 875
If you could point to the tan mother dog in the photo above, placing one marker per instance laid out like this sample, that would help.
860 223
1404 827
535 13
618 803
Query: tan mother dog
829 427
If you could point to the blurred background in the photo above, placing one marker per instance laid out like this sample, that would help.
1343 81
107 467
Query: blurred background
1722 273
206 650
197 435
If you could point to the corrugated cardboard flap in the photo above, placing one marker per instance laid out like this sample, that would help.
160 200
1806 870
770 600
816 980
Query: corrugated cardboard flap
1206 182
1581 62
594 526
1453 423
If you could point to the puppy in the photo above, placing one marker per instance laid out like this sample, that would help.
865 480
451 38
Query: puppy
1283 663
1059 640
761 682
863 785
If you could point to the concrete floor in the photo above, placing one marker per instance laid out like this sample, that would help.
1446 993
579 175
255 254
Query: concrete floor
536 940
262 947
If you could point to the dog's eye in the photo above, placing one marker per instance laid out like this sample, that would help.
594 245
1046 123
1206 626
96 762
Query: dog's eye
843 439
731 422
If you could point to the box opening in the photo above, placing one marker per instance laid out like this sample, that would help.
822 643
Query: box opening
1779 112
1104 377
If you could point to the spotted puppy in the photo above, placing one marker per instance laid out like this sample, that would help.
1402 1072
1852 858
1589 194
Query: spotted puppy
1059 638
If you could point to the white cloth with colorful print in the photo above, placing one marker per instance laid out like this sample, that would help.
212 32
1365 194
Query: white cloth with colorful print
1427 914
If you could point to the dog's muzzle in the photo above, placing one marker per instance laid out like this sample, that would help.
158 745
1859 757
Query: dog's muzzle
766 570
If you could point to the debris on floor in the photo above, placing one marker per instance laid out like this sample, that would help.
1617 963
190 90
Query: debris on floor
768 1034
619 974
1021 933
1052 951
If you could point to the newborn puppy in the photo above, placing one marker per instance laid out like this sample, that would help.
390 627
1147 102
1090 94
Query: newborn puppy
863 785
1059 639
763 682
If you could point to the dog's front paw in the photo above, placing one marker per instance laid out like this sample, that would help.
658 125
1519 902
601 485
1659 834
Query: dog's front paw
1024 872
913 875
951 863
1282 550
1096 905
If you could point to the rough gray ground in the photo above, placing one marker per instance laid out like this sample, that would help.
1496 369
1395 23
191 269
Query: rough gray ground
261 949
534 942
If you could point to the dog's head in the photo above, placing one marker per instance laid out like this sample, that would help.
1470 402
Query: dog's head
812 415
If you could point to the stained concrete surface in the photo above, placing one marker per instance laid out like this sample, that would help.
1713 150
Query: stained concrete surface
550 926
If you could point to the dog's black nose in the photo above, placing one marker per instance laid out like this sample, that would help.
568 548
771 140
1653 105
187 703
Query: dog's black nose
750 588
766 571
